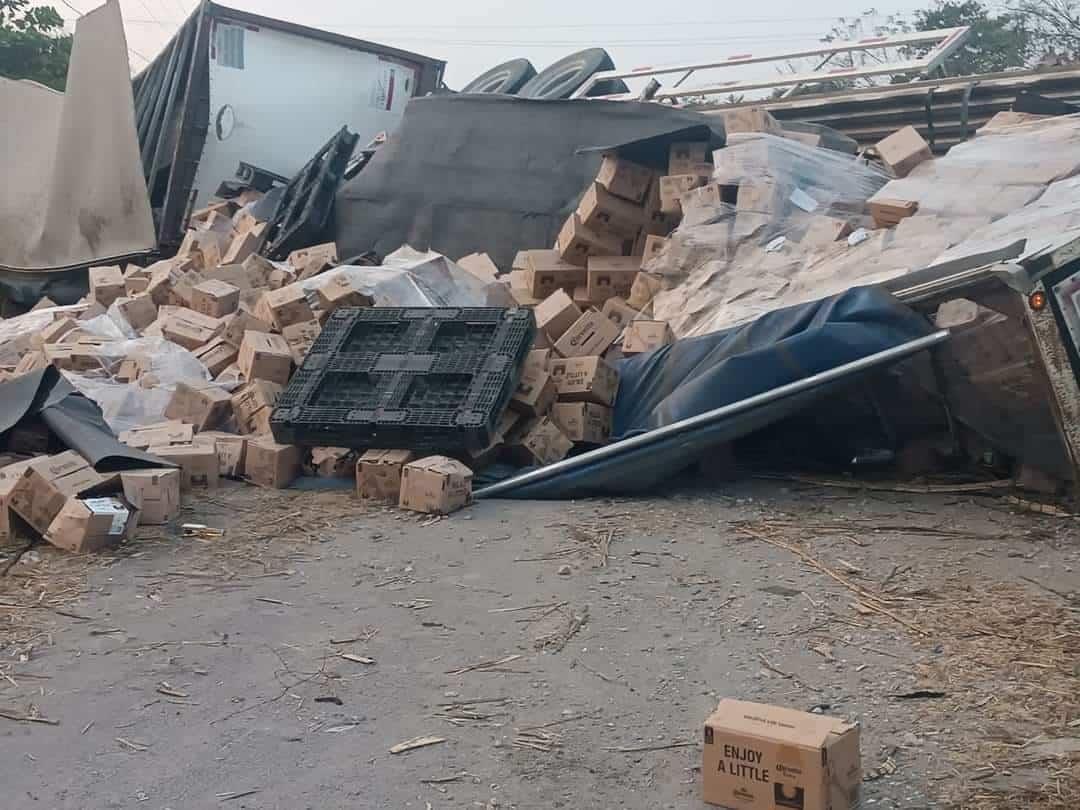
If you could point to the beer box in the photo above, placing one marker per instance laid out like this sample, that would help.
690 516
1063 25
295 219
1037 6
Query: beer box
91 524
300 337
435 485
106 284
535 393
763 757
547 273
585 379
270 464
610 276
591 334
686 157
198 463
155 493
217 355
602 211
253 405
625 179
645 336
205 406
556 313
576 243
378 474
673 187
287 305
544 443
619 312
583 422
215 298
265 357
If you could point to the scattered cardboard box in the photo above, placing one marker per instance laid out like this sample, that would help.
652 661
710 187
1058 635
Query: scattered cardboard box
205 406
245 244
654 245
748 119
585 379
217 355
231 451
544 443
583 422
270 464
9 476
301 337
673 187
253 404
240 322
646 287
190 329
903 150
313 260
887 213
86 525
339 292
333 462
435 485
590 334
378 474
763 757
601 211
479 265
624 178
547 272
286 306
684 157
619 312
535 393
610 276
155 493
138 310
576 243
645 336
265 357
215 298
538 360
198 463
106 284
60 330
555 314
49 481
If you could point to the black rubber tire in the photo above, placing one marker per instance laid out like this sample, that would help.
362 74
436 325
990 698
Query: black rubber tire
507 78
561 79
608 87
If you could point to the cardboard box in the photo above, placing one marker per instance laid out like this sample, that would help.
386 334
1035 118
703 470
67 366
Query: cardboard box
479 265
581 297
240 322
903 150
823 231
300 337
270 464
139 310
287 306
160 434
191 329
244 244
252 405
646 287
684 157
585 379
590 334
624 178
333 462
538 360
535 393
60 330
378 474
231 451
547 272
205 406
748 119
887 213
673 187
155 493
47 483
265 357
435 485
339 292
136 284
603 212
657 221
215 298
9 476
762 757
583 422
91 524
619 312
198 463
313 260
644 336
544 443
217 355
576 243
106 284
556 313
610 276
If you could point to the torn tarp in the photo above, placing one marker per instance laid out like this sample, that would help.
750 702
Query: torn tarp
73 192
74 419
494 174
761 373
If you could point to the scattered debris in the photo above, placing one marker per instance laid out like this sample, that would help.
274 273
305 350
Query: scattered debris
416 742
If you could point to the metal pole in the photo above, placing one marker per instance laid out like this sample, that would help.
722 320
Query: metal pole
715 415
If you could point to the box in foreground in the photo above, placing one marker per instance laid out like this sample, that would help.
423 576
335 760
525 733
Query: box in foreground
761 757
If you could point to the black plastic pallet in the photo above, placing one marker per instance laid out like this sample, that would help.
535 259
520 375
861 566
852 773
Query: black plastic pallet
430 380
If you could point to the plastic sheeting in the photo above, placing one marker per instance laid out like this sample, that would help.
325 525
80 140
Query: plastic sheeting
728 264
488 173
73 190
692 377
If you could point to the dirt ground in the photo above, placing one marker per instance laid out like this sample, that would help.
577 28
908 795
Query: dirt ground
561 654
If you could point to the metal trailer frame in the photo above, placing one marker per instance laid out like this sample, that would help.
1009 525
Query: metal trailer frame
946 41
172 104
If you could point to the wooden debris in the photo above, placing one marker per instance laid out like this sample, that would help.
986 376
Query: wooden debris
486 666
358 659
20 717
416 742
633 749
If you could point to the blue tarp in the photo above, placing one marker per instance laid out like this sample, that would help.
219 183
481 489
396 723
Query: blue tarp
697 375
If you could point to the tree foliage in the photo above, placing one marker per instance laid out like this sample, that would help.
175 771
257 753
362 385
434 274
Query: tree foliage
1054 23
33 44
995 43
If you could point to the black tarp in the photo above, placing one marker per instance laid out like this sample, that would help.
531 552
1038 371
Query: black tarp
72 418
696 375
496 174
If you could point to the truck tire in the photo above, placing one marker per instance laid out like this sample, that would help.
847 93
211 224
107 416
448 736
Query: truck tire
608 87
561 79
508 78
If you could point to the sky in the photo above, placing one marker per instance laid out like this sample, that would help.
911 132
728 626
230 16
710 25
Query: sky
474 35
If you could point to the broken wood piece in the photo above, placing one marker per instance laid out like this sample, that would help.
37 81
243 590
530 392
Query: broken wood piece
358 659
486 666
416 742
